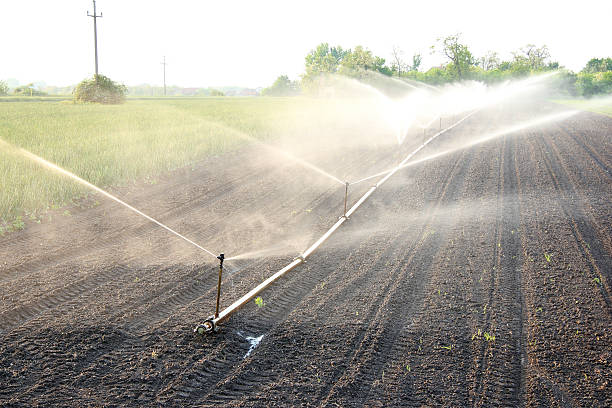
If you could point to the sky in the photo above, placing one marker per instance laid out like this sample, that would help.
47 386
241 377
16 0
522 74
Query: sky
250 43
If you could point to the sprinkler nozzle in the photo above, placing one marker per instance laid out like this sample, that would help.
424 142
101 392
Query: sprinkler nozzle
221 257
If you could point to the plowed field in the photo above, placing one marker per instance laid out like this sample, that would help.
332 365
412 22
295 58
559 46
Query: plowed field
480 278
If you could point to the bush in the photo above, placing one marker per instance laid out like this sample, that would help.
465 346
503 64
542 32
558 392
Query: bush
216 92
100 89
281 87
3 88
589 85
27 90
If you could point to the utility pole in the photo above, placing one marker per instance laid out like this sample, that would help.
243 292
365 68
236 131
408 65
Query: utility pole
95 17
164 64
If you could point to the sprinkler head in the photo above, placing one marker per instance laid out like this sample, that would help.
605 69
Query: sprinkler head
208 326
221 257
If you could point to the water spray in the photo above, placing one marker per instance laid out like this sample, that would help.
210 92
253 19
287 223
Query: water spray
210 325
86 183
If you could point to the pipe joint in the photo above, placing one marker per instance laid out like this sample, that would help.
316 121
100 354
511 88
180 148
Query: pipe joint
209 326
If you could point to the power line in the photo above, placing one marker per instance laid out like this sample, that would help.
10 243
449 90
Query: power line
95 17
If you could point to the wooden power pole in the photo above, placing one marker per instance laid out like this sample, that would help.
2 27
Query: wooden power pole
95 17
164 64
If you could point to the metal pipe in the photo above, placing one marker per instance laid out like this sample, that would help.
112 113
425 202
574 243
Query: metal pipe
210 325
330 231
221 257
345 197
254 292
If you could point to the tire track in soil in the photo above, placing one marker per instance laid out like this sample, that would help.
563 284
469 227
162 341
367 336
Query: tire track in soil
59 296
505 297
66 295
563 185
402 356
574 175
565 388
206 374
559 395
400 302
194 293
182 297
287 299
185 295
589 149
479 381
367 340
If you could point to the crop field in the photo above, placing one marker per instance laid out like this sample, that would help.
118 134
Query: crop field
480 275
598 105
112 145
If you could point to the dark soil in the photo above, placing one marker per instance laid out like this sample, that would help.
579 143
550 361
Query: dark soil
481 278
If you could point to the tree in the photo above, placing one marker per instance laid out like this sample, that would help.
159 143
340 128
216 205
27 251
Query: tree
3 88
398 65
534 57
100 89
489 61
458 54
416 62
324 59
281 87
598 65
356 63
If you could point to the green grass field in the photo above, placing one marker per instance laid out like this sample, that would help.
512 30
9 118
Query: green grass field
115 145
603 106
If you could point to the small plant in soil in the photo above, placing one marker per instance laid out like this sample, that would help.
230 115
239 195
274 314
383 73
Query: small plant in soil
489 337
259 301
548 257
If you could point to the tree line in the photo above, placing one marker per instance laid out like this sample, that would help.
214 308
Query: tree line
460 65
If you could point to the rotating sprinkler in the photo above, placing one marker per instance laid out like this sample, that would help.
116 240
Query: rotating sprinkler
209 324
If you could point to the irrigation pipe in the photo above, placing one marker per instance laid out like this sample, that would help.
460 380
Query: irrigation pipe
211 324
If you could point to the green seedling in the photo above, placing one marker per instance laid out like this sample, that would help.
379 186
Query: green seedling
477 335
18 224
408 367
597 281
259 301
548 257
489 337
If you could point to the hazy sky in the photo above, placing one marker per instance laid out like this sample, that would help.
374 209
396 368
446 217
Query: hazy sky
250 43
